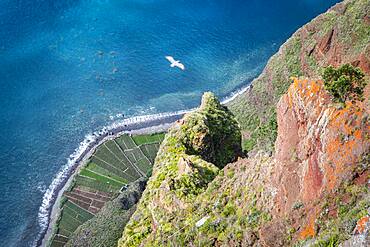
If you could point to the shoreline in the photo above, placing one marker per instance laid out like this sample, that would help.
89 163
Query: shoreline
138 125
147 124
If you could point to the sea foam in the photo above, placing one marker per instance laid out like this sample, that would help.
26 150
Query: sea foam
90 141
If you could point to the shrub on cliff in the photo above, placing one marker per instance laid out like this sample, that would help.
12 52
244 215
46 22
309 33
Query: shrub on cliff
344 83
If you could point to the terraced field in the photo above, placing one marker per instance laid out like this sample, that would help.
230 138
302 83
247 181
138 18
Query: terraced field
113 165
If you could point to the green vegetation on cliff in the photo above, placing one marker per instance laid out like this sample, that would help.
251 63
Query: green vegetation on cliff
341 35
196 197
182 171
345 83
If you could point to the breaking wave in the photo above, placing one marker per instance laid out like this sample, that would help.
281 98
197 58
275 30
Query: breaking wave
90 142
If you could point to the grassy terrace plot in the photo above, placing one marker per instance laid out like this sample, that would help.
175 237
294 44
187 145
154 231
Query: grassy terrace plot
150 151
114 164
144 139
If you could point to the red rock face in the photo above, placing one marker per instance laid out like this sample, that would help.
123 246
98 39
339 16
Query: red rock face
318 145
326 43
363 62
330 48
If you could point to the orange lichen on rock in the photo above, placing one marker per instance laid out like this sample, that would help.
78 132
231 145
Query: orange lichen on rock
358 134
305 88
309 230
362 225
318 144
345 141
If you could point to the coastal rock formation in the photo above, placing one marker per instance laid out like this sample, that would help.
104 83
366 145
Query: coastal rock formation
339 36
183 170
318 145
305 181
321 158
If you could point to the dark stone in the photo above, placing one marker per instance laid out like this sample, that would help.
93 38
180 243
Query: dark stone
131 197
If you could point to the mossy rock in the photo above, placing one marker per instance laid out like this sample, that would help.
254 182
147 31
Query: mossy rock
189 158
212 132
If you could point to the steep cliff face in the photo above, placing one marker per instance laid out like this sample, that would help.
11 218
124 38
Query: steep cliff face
318 145
182 171
341 35
306 181
322 155
313 190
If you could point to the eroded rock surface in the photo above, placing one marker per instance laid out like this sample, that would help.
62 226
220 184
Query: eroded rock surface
321 158
189 158
318 145
339 36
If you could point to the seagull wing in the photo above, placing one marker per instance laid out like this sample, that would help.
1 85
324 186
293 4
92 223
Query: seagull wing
181 66
170 59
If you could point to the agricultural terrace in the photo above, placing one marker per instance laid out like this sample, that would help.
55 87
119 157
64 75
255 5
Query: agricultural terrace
113 165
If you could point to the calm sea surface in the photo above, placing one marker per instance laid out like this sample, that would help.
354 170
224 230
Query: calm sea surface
68 68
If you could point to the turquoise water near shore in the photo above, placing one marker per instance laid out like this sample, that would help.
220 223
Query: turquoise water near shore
69 68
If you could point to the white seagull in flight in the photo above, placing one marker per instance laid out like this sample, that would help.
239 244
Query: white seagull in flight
175 63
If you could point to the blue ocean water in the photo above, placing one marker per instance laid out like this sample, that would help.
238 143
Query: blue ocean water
68 68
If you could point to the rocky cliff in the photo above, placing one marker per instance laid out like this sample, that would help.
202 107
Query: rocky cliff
191 155
341 35
313 190
321 167
304 176
318 145
306 179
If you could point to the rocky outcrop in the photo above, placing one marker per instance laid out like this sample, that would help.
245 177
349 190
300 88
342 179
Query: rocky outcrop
321 158
321 150
306 180
190 157
318 145
211 132
362 234
341 35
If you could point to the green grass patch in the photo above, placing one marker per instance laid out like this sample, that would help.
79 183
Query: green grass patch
98 169
82 213
104 154
64 232
147 139
150 151
265 134
126 142
109 167
144 165
101 178
56 243
69 223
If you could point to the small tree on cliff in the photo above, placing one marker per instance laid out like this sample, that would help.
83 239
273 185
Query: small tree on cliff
344 83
